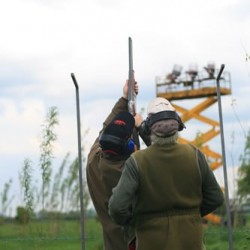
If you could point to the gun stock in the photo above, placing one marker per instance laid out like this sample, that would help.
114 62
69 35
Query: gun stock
131 81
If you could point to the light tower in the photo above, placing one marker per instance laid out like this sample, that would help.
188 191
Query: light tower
195 84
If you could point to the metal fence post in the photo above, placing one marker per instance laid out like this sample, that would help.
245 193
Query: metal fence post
229 224
79 161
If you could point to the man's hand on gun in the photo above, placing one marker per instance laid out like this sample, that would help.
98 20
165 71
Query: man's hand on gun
137 116
126 88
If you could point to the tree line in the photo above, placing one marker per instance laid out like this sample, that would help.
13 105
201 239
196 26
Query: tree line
56 192
59 192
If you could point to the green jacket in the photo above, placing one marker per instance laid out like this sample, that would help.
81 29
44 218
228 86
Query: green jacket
102 175
166 190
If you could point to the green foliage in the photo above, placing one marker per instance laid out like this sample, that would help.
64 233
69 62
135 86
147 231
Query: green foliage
244 172
70 188
72 185
59 234
65 194
58 190
5 199
46 148
25 178
65 234
59 194
22 216
216 238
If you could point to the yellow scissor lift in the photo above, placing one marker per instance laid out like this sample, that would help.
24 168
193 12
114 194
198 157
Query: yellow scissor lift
202 86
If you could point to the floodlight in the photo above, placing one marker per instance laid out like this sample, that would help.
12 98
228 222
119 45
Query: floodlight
210 69
192 70
176 72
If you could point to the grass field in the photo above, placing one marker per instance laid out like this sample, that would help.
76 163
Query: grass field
50 235
65 235
216 238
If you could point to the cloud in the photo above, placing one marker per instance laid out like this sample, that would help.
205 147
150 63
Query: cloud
17 123
43 42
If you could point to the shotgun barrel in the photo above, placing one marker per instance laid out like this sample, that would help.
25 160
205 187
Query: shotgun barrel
131 81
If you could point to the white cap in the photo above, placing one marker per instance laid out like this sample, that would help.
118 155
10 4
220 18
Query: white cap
159 104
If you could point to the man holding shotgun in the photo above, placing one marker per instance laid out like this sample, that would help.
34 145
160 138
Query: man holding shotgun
116 141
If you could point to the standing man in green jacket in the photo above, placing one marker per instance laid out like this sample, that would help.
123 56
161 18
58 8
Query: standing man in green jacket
104 166
166 188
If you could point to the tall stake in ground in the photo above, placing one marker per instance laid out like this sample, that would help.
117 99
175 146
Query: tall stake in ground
229 224
79 160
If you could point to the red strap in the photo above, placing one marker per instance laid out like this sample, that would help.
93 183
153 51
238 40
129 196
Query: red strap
132 245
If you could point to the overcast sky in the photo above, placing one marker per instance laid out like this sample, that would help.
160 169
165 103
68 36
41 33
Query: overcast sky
44 41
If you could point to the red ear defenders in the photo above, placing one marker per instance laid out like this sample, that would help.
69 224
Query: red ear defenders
110 142
163 115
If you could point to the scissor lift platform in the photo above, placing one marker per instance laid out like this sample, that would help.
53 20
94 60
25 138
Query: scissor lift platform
204 88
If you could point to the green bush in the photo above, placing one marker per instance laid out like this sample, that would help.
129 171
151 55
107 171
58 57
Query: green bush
22 216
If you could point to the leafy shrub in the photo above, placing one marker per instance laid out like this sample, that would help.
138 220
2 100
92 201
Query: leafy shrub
22 216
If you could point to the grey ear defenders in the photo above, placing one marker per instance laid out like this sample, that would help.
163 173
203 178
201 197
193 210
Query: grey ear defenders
163 115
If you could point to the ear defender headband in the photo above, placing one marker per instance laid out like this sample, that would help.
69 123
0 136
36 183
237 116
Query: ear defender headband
163 115
126 146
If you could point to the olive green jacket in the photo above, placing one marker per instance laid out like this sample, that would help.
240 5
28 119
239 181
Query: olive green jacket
166 190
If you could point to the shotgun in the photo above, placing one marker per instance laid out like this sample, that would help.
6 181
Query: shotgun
131 91
131 81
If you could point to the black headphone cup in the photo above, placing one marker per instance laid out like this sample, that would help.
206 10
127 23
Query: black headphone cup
146 127
181 124
125 146
162 116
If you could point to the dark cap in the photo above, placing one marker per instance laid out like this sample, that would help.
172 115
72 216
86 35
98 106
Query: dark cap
116 134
